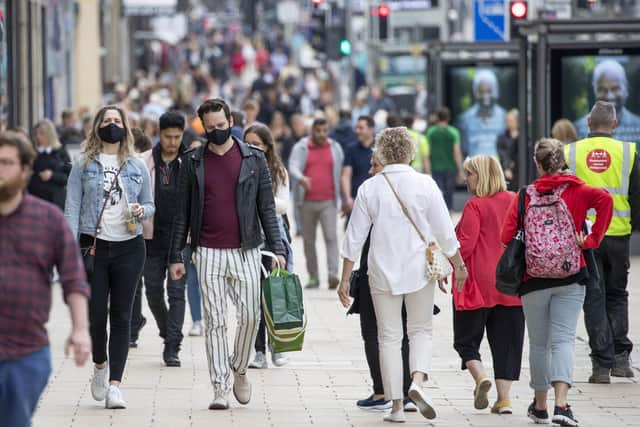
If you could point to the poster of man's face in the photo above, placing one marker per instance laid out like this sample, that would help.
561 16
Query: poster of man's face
479 98
586 79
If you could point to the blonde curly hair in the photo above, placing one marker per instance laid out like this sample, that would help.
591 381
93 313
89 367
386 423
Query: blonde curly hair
92 146
395 145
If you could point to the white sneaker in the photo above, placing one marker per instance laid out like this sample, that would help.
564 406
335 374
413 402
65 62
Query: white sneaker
422 401
196 329
279 359
395 417
259 362
219 403
241 388
99 383
114 398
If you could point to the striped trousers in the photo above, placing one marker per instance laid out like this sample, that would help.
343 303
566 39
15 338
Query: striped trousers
236 273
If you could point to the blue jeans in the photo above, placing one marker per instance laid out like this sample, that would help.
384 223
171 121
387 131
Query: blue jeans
193 287
447 183
552 317
21 383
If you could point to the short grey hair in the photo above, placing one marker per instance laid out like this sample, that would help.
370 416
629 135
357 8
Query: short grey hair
485 75
602 115
395 145
613 69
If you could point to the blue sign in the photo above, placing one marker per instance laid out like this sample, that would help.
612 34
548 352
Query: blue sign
489 20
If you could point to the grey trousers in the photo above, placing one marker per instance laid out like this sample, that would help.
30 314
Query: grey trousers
326 213
552 317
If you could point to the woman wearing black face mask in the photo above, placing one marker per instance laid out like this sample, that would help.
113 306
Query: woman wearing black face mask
108 195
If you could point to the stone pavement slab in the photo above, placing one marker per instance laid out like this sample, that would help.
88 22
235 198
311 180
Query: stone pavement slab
319 386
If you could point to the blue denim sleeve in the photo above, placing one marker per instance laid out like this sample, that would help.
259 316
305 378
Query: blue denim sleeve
74 197
145 198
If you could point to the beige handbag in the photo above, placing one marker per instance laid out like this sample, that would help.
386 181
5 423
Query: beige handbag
438 265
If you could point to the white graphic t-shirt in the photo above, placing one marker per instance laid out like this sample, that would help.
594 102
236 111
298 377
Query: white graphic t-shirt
113 226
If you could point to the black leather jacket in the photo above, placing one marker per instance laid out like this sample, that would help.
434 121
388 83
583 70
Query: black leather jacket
255 203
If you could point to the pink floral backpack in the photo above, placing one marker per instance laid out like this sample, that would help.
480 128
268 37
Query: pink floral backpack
551 247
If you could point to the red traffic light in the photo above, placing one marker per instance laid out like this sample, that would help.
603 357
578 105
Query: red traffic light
383 11
518 9
316 2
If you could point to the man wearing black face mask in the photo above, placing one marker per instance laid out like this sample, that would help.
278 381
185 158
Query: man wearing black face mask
225 198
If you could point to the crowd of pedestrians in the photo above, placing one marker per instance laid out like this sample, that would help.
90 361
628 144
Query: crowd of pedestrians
195 168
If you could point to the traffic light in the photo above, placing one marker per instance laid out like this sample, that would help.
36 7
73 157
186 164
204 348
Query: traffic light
383 24
345 47
318 29
518 10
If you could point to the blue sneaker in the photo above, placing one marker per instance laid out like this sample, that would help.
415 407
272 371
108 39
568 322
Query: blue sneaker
371 404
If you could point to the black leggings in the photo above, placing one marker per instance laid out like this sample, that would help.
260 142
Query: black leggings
505 333
118 267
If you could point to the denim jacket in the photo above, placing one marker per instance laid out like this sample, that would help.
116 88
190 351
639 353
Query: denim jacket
85 193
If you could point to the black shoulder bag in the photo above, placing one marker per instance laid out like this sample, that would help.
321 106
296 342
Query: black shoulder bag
512 265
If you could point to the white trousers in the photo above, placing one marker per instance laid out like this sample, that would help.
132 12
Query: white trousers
388 310
236 273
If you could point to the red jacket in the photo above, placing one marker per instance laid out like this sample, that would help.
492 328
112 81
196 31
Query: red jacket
579 198
478 232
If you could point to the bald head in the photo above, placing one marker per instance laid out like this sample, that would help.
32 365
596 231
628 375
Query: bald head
602 117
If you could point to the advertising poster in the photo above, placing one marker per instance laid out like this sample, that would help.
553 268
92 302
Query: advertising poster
479 98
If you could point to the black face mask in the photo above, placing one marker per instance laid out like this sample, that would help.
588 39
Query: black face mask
111 133
218 136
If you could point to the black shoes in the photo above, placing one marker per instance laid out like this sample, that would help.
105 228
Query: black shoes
599 374
170 355
562 415
621 366
537 415
133 339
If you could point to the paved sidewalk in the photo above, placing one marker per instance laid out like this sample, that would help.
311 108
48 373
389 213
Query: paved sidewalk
320 385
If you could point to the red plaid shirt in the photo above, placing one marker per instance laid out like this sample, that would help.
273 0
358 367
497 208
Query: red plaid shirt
34 239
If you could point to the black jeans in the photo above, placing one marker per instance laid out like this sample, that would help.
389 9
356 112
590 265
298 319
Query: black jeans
369 330
137 318
118 266
606 307
505 333
171 319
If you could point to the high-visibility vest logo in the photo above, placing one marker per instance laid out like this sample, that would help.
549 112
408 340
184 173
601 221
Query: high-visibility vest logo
598 160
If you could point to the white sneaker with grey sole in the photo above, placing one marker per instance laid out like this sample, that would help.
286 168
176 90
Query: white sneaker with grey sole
100 383
114 398
422 401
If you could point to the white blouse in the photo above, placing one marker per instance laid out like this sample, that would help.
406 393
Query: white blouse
397 255
281 196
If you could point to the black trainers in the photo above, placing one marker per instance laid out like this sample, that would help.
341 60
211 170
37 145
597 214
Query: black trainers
170 355
599 374
562 415
538 416
622 366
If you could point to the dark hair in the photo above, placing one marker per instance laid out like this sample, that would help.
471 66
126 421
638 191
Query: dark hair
344 114
319 122
444 115
393 121
238 118
276 167
67 114
213 106
407 121
26 152
370 122
141 142
171 120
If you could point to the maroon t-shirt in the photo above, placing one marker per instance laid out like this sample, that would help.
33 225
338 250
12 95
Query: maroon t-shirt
220 226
